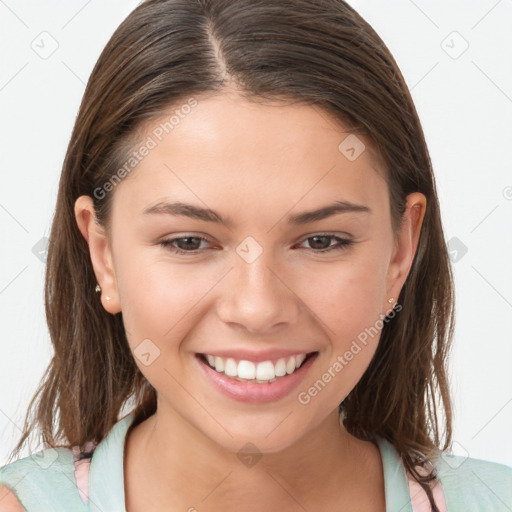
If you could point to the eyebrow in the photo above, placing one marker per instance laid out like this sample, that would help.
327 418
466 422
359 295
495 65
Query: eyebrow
206 214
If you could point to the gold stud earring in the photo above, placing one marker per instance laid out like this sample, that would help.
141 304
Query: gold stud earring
391 300
107 298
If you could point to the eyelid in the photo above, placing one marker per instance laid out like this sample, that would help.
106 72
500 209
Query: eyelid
337 234
343 235
343 242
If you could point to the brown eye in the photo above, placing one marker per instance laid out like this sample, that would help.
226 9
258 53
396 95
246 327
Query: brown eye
322 243
185 244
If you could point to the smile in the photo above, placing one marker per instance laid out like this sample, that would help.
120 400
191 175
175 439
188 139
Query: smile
255 372
255 377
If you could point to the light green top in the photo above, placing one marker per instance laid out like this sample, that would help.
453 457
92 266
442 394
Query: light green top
45 481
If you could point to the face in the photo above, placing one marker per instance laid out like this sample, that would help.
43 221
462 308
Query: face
252 317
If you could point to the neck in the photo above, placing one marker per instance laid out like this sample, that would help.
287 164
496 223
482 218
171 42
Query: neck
184 468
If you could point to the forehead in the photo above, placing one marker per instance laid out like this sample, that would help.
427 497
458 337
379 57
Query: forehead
234 153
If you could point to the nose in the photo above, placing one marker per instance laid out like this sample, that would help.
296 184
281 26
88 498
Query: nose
258 297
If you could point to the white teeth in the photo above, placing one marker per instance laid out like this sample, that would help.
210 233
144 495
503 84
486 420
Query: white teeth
219 364
280 368
246 370
231 368
265 371
299 360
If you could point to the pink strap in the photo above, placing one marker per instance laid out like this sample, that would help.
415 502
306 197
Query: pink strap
419 498
82 469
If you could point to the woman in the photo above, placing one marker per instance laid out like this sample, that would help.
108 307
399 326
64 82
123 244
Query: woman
248 191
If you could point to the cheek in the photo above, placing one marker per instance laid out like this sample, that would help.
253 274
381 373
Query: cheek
347 296
161 306
158 298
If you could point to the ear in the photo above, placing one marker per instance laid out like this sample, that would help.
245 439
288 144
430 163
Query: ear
100 252
405 246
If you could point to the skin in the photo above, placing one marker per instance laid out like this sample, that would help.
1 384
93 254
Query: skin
255 164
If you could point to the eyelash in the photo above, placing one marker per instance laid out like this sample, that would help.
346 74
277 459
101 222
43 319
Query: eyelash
343 243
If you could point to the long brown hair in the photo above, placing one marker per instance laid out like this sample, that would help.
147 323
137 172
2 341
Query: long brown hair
319 52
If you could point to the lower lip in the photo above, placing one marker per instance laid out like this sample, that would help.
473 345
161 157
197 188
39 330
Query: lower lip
254 392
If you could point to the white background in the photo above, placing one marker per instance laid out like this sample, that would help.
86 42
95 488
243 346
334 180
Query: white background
465 104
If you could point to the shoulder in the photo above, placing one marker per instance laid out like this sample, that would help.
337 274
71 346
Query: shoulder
39 480
468 480
9 501
57 479
456 467
43 464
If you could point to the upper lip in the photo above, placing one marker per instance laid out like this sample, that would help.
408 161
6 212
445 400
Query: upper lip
255 356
